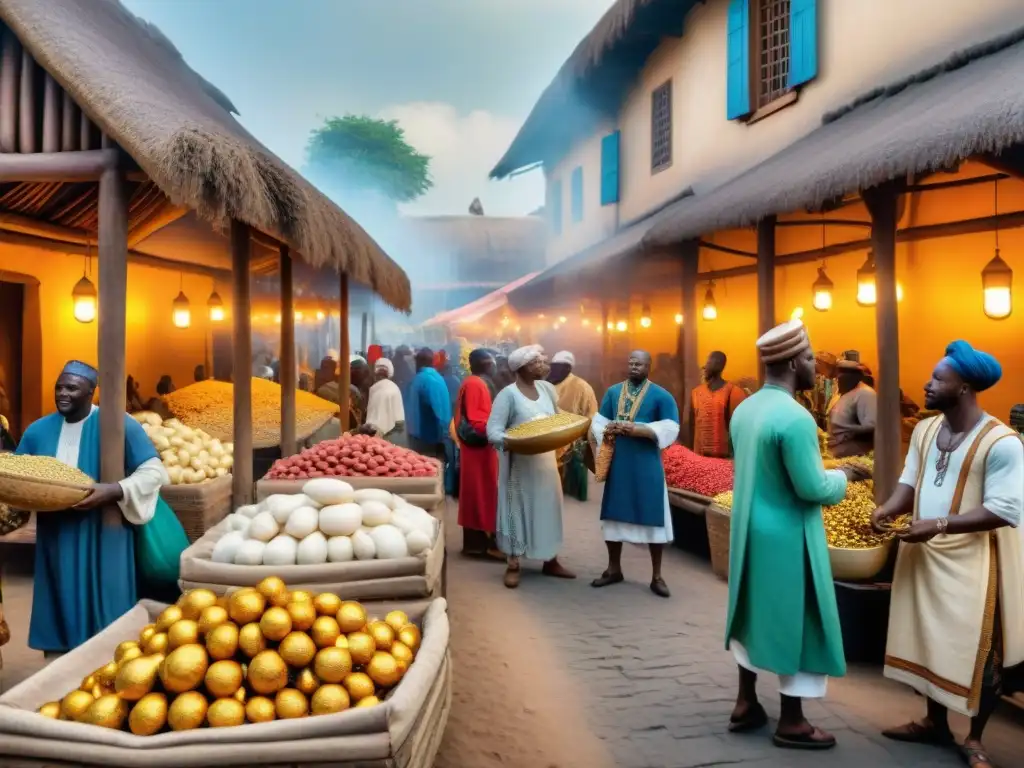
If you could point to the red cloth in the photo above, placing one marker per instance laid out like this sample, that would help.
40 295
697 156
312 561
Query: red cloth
478 477
440 358
373 354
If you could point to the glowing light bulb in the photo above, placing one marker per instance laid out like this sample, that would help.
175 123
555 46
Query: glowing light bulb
181 313
621 326
84 297
679 318
797 314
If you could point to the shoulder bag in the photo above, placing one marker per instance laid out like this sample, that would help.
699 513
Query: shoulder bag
465 431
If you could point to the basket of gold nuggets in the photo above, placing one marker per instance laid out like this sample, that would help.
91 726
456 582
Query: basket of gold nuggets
546 434
40 483
857 552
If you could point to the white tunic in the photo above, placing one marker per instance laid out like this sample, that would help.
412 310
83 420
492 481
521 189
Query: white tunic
141 489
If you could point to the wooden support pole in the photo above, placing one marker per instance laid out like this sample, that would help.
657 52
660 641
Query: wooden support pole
344 352
27 105
363 333
57 166
606 345
690 254
373 321
882 204
51 115
10 79
288 370
765 281
241 367
113 298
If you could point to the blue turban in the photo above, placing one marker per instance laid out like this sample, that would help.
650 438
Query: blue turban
979 369
83 371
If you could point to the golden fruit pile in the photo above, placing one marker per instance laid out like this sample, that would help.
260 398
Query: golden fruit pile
262 654
848 523
868 462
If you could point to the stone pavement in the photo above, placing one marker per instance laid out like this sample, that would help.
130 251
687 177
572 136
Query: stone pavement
650 676
559 675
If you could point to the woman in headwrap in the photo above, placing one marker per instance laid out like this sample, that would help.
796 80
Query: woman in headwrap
529 487
405 370
385 412
956 620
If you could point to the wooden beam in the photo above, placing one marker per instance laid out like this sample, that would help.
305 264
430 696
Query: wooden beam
1012 220
288 369
68 124
160 218
726 249
113 296
824 222
25 225
27 104
241 367
690 254
956 183
87 165
765 281
363 333
882 204
344 352
10 77
51 115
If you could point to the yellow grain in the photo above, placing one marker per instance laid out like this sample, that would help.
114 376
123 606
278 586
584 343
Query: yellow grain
42 468
545 425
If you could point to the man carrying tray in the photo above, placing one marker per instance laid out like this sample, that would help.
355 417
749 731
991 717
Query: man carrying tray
85 572
644 420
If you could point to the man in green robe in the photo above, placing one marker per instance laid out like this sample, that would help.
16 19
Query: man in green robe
782 605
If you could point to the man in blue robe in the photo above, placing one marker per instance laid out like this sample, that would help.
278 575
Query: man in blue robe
429 410
85 575
643 418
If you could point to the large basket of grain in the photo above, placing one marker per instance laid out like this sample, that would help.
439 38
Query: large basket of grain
40 483
208 405
546 434
402 727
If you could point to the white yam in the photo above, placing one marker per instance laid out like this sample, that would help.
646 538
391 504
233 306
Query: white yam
341 519
362 546
339 549
282 505
302 522
374 494
263 527
375 513
226 547
389 542
282 550
418 542
250 552
312 550
327 491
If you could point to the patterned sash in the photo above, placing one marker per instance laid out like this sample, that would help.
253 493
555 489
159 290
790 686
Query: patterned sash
629 406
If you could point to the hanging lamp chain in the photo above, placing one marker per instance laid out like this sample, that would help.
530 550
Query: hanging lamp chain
995 204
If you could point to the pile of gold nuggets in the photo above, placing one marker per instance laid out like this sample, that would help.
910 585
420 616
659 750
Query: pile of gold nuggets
263 653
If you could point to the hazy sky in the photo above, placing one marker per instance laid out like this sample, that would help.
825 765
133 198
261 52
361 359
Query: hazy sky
459 75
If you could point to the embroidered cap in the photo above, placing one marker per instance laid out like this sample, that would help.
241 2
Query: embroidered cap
783 342
82 371
564 357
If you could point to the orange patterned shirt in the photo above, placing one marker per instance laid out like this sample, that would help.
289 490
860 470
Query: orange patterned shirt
712 410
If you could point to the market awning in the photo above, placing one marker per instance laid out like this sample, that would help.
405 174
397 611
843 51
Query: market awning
971 103
468 313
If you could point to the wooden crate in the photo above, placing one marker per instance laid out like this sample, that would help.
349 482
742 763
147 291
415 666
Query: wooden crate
201 506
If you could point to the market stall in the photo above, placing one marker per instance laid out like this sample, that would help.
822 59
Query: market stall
256 678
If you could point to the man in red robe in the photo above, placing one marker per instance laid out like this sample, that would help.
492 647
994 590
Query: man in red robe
478 480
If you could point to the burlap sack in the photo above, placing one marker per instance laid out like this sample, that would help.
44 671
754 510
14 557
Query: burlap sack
201 506
399 732
603 462
406 578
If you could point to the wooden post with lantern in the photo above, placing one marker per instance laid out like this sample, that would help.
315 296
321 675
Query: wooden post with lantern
344 352
113 272
765 282
288 372
690 256
882 203
241 342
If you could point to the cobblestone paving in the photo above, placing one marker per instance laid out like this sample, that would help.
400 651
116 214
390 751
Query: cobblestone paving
651 678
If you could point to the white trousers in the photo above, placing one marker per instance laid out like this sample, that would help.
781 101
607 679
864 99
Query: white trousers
802 685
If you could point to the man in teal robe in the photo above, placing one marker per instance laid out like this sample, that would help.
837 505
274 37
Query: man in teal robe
782 605
429 409
644 419
85 575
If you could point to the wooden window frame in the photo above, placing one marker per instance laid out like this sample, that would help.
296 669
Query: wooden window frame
786 97
667 88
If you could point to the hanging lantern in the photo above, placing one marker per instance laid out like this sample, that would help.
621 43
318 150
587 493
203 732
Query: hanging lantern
621 326
867 292
84 297
679 318
181 314
216 307
899 292
821 291
611 325
645 316
710 309
320 315
561 319
997 288
298 315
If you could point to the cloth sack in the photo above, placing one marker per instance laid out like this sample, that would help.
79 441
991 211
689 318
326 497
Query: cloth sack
158 547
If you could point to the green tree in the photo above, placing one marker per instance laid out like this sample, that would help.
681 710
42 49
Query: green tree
356 152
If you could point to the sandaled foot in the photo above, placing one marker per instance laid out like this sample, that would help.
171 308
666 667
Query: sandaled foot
811 739
607 578
495 554
512 576
746 719
923 732
974 754
660 588
557 570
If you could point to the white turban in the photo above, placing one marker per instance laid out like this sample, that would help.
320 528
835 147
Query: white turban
783 342
356 359
387 365
564 357
524 356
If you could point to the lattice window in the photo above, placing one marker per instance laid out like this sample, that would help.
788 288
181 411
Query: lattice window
771 40
661 127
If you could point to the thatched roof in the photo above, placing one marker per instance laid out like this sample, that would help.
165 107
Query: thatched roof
970 104
134 84
594 79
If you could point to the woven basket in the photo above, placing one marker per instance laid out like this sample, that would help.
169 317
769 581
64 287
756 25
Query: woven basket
549 441
603 462
201 506
691 502
33 495
718 521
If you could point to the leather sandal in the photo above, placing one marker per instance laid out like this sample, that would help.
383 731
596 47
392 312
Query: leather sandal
608 578
557 570
512 576
975 756
753 719
660 588
815 739
920 733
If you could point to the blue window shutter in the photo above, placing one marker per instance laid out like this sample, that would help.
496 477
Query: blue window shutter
556 207
738 57
577 193
803 41
610 169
